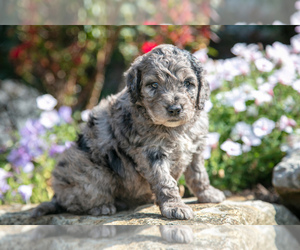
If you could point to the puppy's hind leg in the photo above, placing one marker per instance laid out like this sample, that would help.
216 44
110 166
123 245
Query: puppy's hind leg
44 208
198 182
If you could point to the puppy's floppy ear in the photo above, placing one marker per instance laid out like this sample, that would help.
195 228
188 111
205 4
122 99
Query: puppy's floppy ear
203 87
133 77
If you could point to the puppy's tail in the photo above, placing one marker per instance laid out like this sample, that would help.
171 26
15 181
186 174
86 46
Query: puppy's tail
52 207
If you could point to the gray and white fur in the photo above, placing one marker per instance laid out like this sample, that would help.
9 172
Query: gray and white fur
137 143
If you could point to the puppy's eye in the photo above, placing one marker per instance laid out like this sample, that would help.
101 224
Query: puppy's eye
154 85
187 83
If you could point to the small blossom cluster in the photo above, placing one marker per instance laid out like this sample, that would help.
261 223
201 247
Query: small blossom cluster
252 75
33 144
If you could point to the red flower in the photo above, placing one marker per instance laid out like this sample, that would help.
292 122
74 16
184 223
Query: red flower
15 52
148 46
149 23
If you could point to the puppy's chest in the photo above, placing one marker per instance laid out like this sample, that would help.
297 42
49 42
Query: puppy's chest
180 149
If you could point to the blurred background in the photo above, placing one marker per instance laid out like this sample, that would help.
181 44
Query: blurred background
51 76
130 12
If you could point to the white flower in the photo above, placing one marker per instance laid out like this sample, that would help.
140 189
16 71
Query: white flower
207 152
267 87
212 139
238 49
208 106
295 42
289 103
49 118
286 124
232 148
25 191
264 65
85 115
239 105
278 52
246 148
201 55
46 102
295 18
252 110
251 140
240 129
286 75
237 97
214 82
263 126
248 52
28 167
296 86
262 97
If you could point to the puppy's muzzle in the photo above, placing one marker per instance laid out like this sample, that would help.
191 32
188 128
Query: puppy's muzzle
174 110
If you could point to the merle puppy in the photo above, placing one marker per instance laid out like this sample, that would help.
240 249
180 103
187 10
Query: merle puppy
137 143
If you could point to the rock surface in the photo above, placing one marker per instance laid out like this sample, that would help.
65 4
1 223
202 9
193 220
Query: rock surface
149 237
231 224
286 180
17 104
226 213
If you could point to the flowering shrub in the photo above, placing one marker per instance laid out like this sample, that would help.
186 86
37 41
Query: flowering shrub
27 174
253 109
71 62
255 99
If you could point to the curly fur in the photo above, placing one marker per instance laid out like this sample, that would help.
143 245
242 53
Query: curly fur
137 143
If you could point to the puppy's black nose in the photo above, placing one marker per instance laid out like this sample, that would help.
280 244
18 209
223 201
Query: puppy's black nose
174 110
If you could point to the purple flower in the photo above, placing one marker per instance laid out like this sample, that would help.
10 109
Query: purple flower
25 191
68 144
263 126
65 114
4 174
34 146
46 102
231 148
56 149
4 187
32 128
19 157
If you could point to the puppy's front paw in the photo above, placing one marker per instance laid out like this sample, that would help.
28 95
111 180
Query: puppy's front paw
211 195
177 234
104 209
177 210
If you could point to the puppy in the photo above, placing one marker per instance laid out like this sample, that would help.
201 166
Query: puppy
137 143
